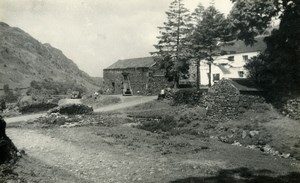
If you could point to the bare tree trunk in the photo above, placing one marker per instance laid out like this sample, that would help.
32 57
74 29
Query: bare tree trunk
209 74
198 75
176 78
209 65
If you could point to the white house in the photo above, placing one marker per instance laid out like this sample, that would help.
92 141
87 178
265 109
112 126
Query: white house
229 65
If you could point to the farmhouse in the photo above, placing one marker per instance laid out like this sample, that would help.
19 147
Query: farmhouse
230 64
141 76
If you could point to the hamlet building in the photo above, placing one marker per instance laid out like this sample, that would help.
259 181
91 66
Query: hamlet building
142 76
230 64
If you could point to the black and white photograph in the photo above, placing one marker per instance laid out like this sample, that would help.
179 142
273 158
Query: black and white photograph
149 91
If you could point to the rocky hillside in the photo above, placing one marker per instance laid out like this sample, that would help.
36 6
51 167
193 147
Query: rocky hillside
24 59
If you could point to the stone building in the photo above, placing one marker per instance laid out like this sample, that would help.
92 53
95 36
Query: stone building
142 74
230 97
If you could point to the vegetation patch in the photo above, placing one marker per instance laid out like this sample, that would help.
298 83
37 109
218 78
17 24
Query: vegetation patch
167 123
37 107
72 109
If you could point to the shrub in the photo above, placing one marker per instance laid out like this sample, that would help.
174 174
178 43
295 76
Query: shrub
72 109
167 123
37 107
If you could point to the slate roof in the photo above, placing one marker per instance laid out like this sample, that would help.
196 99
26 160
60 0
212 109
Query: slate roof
243 84
240 47
144 62
224 69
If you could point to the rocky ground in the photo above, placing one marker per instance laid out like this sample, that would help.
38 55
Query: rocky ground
112 147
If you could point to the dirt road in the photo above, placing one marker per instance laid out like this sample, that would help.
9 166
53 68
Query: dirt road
114 151
126 102
125 154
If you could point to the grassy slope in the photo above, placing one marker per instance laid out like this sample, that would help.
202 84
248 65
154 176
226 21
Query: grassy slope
24 59
278 131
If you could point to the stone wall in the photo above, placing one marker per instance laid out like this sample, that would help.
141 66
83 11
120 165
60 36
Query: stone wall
224 99
143 81
292 108
156 84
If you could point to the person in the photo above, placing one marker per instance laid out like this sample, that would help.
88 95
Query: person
162 95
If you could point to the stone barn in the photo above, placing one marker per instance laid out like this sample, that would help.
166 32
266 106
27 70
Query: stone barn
142 74
229 97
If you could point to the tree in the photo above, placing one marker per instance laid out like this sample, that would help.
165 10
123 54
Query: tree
277 69
197 17
211 29
250 18
173 44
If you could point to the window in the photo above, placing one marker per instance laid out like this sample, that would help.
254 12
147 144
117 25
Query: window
245 58
241 74
216 77
231 58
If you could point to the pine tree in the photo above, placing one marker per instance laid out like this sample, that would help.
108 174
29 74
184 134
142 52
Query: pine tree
197 16
210 31
173 45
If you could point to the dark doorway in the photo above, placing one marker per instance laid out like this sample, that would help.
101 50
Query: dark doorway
113 87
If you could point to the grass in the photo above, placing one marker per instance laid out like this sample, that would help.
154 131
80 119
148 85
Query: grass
153 109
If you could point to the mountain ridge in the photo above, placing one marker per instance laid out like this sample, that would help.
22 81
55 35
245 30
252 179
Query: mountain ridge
24 59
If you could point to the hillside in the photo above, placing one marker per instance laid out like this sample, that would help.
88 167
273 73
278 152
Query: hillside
24 59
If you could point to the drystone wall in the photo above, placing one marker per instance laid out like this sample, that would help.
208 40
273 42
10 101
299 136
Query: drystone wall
141 81
292 108
224 99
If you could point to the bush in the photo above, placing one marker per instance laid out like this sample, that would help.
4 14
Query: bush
72 109
167 123
37 107
7 148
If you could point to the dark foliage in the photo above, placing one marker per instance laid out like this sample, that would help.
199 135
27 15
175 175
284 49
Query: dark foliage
37 107
277 69
72 109
167 123
8 150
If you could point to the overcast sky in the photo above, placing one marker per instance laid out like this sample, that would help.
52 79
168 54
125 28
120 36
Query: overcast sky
95 33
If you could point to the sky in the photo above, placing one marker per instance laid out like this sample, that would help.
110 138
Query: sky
95 33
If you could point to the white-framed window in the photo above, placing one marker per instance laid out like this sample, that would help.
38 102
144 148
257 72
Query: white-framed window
230 58
216 77
245 58
241 74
